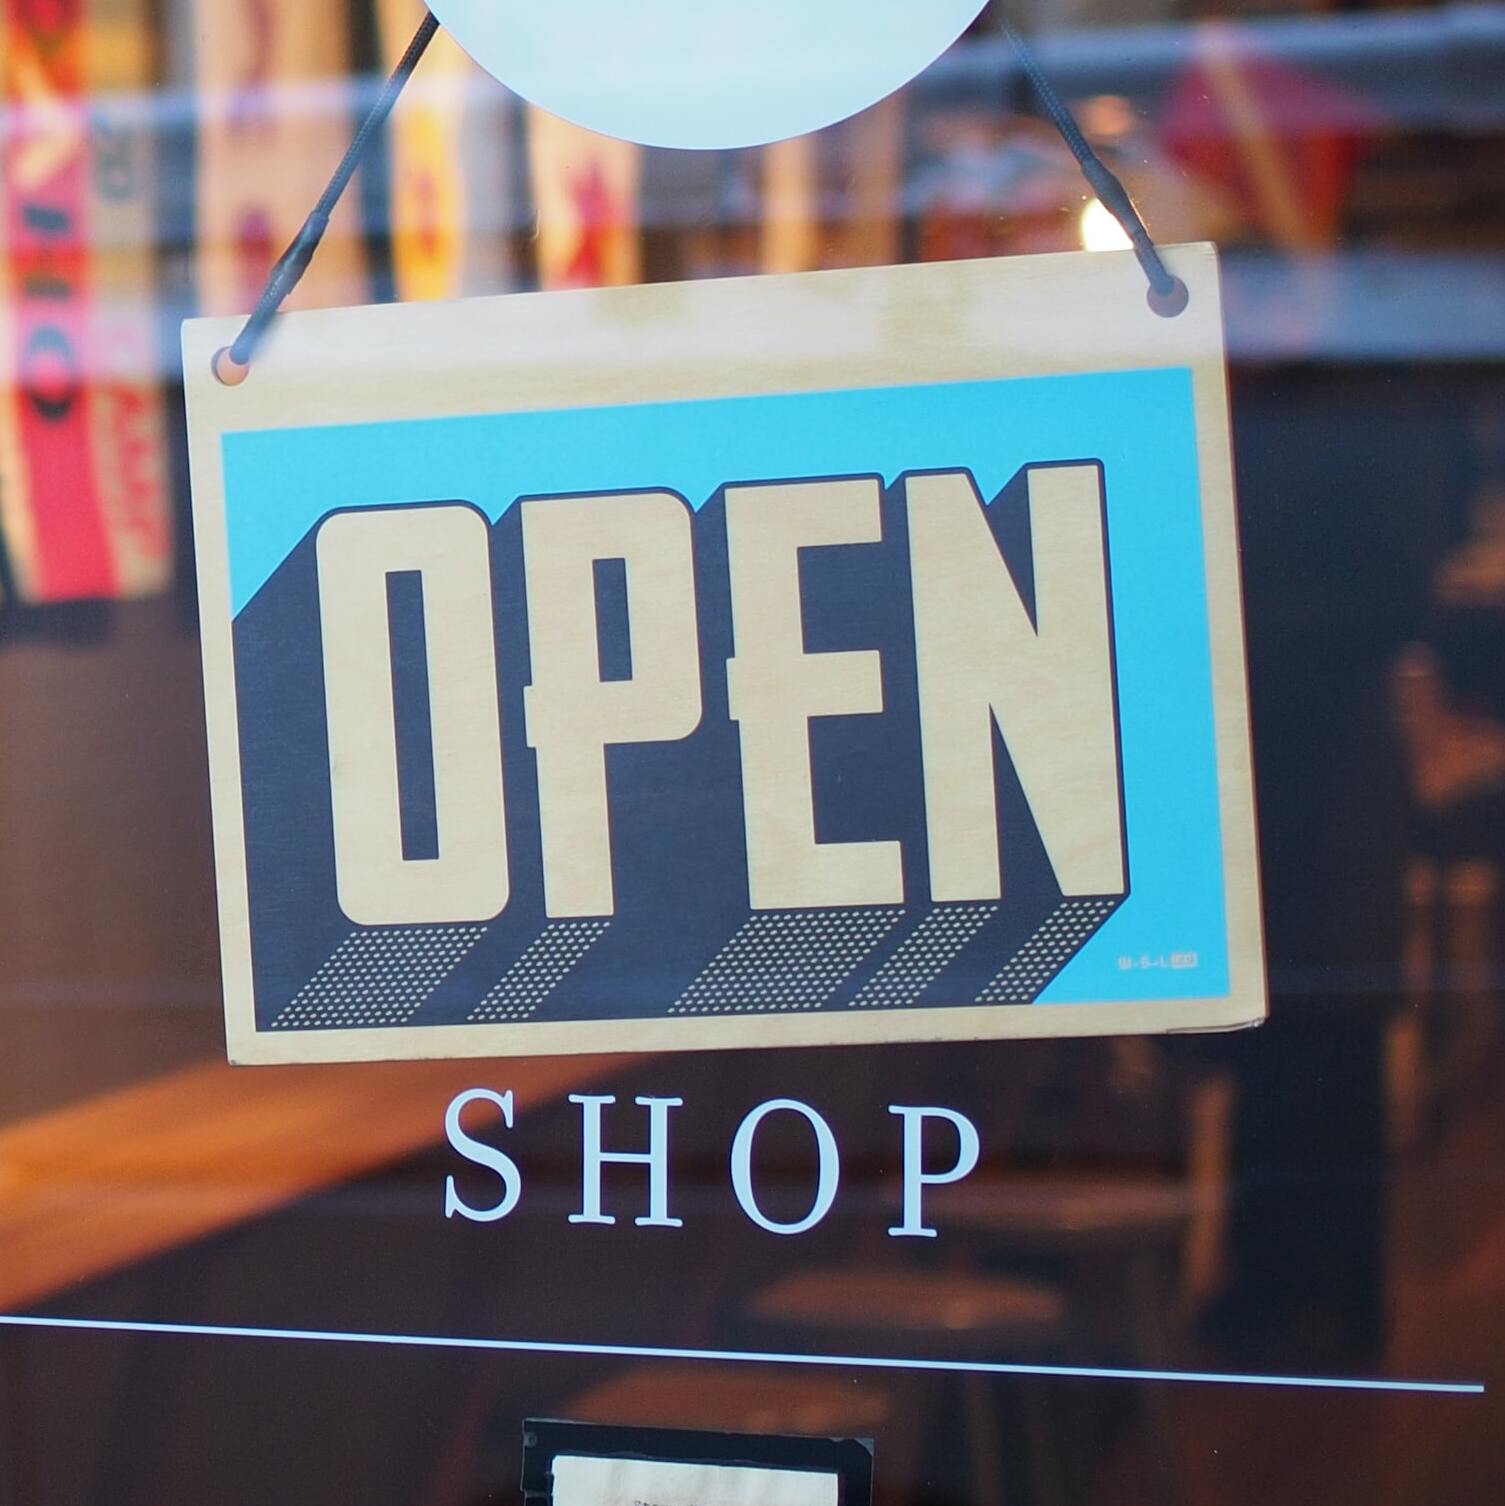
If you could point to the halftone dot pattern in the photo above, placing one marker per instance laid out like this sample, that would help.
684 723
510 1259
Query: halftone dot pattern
785 959
1057 941
380 976
543 965
923 955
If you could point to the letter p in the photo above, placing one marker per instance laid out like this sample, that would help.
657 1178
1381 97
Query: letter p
916 1178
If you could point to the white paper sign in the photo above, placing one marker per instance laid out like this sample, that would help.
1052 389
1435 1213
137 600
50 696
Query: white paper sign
580 1481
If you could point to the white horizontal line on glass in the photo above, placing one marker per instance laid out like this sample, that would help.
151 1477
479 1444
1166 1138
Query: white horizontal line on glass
739 1356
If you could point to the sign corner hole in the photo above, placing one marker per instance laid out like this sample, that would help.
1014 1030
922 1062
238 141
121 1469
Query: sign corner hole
1171 302
228 372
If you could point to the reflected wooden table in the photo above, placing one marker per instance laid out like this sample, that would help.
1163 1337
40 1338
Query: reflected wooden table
102 1184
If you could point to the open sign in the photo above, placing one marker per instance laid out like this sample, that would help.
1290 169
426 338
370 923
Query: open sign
745 712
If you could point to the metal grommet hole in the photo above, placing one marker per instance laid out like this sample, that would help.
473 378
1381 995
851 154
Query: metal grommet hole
1171 302
227 370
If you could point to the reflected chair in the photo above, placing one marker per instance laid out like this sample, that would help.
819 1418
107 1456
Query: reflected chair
1140 1249
1442 1044
932 1314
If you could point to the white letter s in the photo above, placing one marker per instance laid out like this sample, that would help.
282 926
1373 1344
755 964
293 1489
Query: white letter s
482 1155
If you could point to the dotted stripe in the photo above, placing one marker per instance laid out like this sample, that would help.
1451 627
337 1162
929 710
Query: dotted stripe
543 965
381 976
923 955
786 959
1047 951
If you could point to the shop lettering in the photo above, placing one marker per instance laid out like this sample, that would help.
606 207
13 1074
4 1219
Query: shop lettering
1035 664
504 1179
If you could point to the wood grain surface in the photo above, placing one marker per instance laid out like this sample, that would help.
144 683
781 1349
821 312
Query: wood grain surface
858 328
90 1188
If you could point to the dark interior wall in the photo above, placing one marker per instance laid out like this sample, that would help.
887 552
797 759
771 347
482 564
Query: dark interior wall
109 966
1352 485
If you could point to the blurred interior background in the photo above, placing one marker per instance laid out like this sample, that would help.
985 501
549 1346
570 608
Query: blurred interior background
1320 1196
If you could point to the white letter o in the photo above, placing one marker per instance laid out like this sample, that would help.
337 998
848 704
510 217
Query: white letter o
830 1166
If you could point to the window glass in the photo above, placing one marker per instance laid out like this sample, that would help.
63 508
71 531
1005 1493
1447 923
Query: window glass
1246 1267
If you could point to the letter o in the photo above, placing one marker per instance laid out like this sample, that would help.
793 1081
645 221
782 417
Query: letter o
50 373
829 1175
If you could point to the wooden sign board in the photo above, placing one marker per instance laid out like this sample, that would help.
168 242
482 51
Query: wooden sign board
852 656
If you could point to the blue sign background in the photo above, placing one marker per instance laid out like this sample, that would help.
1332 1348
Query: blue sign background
1139 424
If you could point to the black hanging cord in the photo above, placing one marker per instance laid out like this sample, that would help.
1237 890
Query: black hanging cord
1167 291
293 263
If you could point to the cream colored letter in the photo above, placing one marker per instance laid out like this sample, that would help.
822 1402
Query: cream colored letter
774 688
450 546
573 714
1048 684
